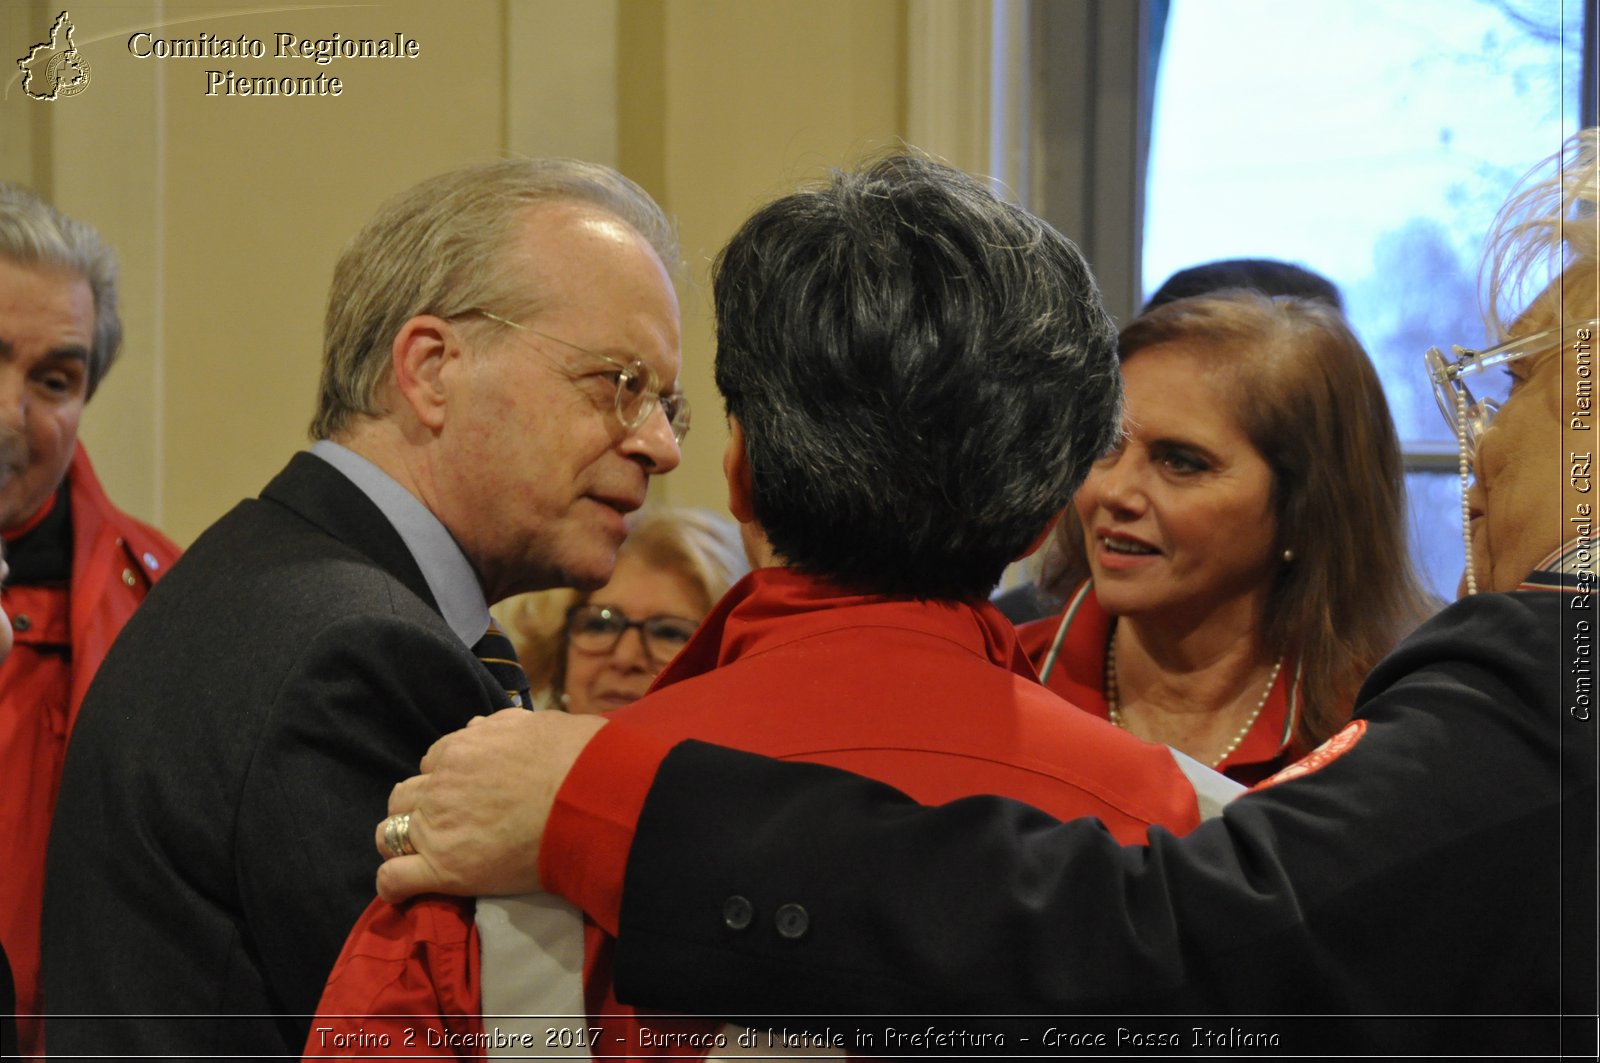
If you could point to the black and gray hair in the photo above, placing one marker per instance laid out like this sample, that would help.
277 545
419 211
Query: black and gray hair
923 374
436 248
33 233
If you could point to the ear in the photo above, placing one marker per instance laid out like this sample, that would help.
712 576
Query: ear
736 467
424 351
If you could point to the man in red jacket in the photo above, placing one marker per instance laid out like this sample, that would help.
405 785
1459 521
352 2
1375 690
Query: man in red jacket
79 566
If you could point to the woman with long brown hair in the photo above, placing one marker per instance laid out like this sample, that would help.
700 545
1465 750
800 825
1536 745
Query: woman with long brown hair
1239 562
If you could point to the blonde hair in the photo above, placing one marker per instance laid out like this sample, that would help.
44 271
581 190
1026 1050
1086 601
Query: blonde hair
1545 242
1309 400
696 544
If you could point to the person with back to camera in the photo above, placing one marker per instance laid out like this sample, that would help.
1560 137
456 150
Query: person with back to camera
889 443
1240 560
594 651
1435 860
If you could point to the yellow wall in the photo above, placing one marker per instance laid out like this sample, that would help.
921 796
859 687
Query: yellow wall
746 99
229 212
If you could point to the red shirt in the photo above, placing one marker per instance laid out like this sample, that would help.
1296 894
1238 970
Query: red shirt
934 698
62 635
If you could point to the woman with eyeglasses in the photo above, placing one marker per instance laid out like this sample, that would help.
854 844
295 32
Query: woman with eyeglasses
597 651
1237 565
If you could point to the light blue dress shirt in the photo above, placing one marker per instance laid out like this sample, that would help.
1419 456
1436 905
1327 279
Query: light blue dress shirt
445 568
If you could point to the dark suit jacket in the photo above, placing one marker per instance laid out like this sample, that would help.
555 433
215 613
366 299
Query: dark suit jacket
1444 865
213 840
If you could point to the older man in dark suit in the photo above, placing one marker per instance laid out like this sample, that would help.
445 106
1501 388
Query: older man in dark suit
498 385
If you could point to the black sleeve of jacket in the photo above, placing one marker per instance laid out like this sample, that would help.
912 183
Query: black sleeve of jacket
1435 867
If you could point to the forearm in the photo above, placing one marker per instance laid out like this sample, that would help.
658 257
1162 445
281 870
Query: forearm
908 909
591 827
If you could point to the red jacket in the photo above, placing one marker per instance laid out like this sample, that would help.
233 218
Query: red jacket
62 635
935 698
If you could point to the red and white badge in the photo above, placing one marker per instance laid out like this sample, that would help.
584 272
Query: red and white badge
1328 752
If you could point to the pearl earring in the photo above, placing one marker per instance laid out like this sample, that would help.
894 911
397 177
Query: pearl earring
1288 556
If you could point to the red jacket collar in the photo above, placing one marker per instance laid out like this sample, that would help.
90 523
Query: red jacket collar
772 607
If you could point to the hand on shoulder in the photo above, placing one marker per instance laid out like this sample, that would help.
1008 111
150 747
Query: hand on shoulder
479 808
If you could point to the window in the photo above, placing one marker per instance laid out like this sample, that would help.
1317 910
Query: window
1371 141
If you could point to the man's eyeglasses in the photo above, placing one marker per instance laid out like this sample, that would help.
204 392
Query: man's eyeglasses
1469 394
599 628
638 385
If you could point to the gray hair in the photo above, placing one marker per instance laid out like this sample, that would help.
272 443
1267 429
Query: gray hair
33 233
433 249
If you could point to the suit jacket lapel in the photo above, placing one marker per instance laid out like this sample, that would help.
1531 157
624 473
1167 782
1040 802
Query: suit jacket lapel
322 495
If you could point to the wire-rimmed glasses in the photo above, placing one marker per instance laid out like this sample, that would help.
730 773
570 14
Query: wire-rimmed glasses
638 385
1469 395
1469 408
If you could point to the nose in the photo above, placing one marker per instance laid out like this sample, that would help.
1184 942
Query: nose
653 445
1485 457
13 400
630 654
1117 484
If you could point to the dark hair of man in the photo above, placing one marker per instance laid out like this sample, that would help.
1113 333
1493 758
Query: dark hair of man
923 374
1265 275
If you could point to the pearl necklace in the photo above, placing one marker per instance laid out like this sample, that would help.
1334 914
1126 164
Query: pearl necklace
1114 710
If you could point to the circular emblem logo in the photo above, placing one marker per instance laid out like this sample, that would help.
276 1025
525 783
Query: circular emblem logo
1325 754
67 74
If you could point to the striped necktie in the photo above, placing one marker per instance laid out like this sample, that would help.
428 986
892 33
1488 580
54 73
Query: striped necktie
531 948
500 657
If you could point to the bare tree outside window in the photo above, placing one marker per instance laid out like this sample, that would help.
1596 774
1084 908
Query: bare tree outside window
1371 141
